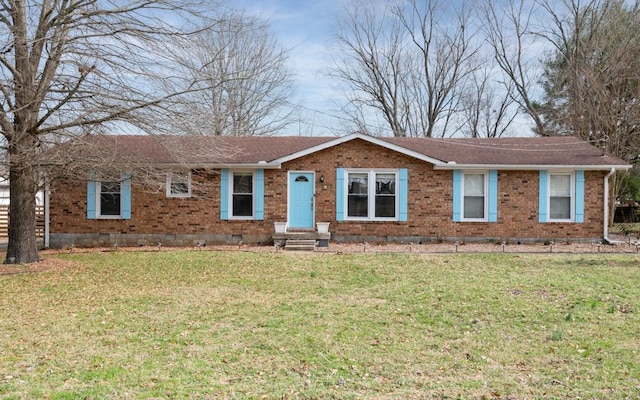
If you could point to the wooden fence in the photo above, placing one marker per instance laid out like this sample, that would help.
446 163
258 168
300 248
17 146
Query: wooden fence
4 222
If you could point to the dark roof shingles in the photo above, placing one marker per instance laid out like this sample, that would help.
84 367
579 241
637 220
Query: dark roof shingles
221 150
510 151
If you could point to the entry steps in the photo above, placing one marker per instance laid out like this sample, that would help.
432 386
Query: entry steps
300 244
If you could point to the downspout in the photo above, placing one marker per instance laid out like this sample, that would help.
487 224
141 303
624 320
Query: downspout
46 214
605 228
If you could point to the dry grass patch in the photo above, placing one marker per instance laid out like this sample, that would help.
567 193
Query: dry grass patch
194 324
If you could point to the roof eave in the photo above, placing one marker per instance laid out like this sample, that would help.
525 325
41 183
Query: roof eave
533 167
258 165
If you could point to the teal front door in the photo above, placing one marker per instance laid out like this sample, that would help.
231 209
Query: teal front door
301 200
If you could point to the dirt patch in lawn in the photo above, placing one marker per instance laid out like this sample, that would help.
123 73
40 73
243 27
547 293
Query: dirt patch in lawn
45 264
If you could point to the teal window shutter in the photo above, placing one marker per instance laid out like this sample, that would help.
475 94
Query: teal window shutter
493 196
224 194
126 196
543 197
91 196
457 195
340 194
580 196
259 194
404 194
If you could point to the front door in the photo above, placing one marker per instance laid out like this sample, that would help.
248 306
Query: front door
301 200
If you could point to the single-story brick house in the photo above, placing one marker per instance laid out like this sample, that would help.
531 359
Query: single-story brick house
232 189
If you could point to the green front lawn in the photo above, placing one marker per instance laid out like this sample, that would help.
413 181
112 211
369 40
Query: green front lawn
189 324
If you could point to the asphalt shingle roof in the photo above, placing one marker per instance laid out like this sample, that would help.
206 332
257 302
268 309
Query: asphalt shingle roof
559 150
225 150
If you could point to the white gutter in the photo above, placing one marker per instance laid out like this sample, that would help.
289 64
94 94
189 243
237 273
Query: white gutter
46 215
528 167
605 227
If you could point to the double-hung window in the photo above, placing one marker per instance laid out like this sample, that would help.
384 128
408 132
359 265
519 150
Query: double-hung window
109 199
372 195
562 196
475 196
109 204
179 184
474 204
242 194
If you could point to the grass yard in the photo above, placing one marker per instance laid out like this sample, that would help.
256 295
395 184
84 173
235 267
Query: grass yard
204 325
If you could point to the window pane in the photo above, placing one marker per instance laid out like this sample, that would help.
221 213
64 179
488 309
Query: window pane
110 198
358 184
385 206
560 185
560 207
358 206
243 183
179 183
179 188
473 207
385 184
242 205
474 184
110 187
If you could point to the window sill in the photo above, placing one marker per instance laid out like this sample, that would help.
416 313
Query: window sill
371 220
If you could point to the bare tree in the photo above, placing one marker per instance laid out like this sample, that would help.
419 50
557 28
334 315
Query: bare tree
586 82
245 76
488 108
445 54
374 63
591 83
509 31
70 68
409 61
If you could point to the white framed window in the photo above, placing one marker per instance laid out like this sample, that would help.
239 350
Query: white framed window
109 199
372 195
179 184
474 196
242 194
561 199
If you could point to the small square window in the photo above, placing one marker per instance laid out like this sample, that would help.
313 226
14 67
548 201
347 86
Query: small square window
179 184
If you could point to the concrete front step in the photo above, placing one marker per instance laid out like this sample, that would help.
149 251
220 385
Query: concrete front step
300 244
314 239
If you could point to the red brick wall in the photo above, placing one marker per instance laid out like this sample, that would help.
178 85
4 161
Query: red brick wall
430 204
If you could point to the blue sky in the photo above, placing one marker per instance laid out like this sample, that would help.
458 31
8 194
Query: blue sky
307 28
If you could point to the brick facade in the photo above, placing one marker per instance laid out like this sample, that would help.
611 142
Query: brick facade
183 221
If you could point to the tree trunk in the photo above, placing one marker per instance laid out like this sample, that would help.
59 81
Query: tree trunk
22 247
